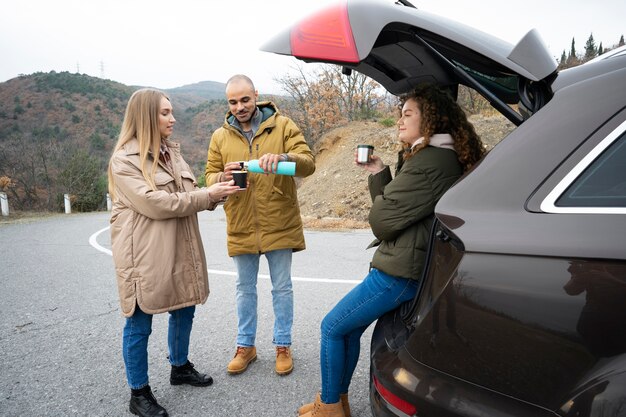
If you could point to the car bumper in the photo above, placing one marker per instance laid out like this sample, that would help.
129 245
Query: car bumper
432 393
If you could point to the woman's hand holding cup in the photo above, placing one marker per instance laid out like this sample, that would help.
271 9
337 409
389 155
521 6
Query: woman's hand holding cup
374 166
221 190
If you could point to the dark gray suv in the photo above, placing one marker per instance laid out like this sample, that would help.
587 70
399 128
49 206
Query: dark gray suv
522 306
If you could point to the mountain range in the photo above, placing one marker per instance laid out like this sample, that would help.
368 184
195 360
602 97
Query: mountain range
87 112
55 125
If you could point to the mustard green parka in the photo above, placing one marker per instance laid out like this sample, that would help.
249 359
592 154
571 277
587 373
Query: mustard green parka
266 216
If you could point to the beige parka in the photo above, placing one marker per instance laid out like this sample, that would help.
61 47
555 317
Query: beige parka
155 239
266 216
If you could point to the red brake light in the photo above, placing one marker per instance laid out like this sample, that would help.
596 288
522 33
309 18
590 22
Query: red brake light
404 406
326 36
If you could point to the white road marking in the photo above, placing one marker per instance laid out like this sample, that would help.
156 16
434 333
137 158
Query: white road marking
93 241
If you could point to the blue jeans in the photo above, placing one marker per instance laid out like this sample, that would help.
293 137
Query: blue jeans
282 296
343 326
135 342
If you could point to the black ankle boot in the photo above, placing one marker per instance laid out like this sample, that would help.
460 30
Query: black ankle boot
186 374
143 404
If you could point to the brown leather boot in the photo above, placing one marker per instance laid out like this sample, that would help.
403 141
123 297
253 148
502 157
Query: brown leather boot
243 357
343 399
284 361
321 409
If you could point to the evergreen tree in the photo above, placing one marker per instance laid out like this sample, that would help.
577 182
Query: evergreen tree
600 50
590 49
563 60
621 41
572 59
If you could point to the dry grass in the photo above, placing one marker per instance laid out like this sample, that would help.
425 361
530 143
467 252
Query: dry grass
25 216
332 223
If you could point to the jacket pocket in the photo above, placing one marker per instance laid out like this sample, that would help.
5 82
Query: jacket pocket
162 179
189 180
282 211
122 240
240 214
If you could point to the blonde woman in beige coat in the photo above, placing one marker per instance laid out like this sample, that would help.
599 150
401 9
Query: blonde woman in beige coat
155 238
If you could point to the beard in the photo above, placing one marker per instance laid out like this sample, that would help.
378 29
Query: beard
245 117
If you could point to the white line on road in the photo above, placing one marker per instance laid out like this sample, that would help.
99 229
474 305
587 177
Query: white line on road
93 241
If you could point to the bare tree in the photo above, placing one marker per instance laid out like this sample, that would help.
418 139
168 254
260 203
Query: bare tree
314 106
19 161
33 165
359 95
325 97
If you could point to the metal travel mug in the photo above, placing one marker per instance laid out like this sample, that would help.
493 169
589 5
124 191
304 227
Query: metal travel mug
364 153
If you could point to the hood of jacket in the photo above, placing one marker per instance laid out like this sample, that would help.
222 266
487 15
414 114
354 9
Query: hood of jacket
265 110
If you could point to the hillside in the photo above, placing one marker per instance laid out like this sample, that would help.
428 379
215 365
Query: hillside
206 90
57 131
56 106
56 126
336 195
79 107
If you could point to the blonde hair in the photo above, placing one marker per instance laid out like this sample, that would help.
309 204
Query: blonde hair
141 121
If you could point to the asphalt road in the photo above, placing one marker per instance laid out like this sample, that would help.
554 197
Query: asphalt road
60 325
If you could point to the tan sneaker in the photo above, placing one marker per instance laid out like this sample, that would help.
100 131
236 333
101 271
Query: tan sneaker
284 362
243 357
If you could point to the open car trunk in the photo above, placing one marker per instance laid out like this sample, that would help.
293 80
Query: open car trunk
400 47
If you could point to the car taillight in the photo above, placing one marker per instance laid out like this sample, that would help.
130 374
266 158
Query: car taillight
325 36
402 405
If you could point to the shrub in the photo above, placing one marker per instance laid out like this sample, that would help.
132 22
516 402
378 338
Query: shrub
388 122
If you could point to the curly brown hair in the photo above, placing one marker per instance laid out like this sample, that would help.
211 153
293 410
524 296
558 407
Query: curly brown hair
441 114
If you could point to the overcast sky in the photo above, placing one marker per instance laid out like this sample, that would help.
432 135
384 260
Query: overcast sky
168 44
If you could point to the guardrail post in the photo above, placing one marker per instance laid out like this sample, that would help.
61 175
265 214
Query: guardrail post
4 204
68 204
108 202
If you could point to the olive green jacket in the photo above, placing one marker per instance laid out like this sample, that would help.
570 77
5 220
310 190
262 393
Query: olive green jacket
403 209
266 216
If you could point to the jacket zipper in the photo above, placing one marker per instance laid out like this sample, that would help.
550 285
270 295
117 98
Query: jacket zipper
256 216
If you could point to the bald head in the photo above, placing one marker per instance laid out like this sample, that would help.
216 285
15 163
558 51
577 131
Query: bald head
240 78
241 97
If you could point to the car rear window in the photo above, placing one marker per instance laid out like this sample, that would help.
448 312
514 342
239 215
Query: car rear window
602 183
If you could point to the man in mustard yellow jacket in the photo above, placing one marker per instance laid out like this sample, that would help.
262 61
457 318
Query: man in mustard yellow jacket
264 218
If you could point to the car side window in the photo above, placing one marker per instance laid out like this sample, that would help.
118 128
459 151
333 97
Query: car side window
602 183
597 183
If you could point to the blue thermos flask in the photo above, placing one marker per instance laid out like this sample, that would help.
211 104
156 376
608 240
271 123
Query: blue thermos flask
283 168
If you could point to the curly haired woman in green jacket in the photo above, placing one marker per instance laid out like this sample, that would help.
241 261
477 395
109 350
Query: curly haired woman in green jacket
438 146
